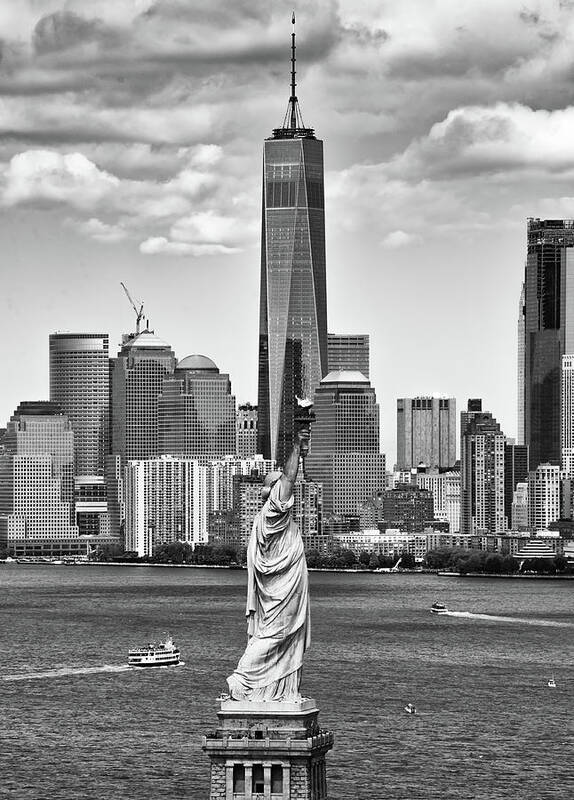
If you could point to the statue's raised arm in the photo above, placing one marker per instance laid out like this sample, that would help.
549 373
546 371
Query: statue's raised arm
278 621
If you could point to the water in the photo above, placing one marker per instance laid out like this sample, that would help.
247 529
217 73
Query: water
75 724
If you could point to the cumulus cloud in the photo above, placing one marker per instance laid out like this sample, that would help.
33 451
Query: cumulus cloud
396 239
159 244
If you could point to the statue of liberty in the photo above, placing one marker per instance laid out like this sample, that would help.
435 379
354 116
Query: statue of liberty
278 618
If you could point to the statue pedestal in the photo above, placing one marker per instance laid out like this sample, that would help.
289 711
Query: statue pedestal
268 751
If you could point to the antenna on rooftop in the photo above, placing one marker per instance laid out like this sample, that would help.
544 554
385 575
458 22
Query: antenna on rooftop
293 98
139 311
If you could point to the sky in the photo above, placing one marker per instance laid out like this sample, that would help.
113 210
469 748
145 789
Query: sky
131 137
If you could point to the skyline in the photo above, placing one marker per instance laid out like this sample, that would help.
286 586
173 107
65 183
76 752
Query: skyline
130 150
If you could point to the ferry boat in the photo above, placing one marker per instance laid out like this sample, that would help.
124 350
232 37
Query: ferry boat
438 608
164 654
410 708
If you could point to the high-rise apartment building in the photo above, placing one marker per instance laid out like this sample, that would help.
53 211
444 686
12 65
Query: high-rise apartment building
165 501
482 474
519 512
345 453
348 352
293 300
567 416
548 332
136 383
445 489
543 496
196 411
246 430
37 481
426 432
221 475
79 384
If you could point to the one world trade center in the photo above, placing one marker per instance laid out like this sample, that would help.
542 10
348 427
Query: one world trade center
293 301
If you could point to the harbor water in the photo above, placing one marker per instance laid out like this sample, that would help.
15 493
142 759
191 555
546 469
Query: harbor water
77 724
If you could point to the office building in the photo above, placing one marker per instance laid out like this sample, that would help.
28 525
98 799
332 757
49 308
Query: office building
408 508
445 490
136 382
37 482
519 511
345 455
165 500
308 510
348 352
516 470
548 332
543 496
221 474
293 299
426 432
246 446
482 475
196 411
79 384
520 433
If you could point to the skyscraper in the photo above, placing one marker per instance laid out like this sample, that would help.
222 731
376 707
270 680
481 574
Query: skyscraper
293 299
567 416
247 416
345 454
520 437
79 384
482 474
548 332
515 471
348 352
136 382
196 411
37 481
543 496
426 432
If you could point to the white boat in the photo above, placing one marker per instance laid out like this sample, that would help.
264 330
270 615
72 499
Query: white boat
552 683
410 709
438 608
164 654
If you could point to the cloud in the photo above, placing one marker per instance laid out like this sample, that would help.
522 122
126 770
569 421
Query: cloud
160 244
101 231
397 239
42 175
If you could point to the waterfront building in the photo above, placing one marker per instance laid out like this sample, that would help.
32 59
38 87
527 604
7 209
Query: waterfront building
165 500
136 382
408 508
482 474
426 432
345 455
196 411
37 481
293 299
548 332
516 470
246 446
348 352
543 496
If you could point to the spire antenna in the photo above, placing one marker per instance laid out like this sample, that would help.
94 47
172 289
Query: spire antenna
293 99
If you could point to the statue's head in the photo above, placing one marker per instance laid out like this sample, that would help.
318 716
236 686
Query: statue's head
270 479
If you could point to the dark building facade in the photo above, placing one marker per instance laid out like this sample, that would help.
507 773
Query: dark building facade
548 332
482 474
516 468
293 299
348 352
407 508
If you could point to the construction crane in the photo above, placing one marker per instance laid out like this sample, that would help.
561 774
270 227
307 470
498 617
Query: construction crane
139 312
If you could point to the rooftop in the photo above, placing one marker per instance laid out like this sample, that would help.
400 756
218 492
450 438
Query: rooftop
197 363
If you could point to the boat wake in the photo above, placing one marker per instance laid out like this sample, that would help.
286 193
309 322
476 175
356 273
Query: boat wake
548 623
64 672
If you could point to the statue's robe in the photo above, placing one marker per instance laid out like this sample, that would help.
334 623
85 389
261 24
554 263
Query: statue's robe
279 624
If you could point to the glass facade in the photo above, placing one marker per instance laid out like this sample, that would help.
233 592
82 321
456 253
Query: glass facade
348 352
293 301
79 383
548 332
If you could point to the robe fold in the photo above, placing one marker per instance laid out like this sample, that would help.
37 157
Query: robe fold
278 614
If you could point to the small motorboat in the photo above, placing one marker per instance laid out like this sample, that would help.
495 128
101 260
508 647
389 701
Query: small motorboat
410 709
438 608
552 683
